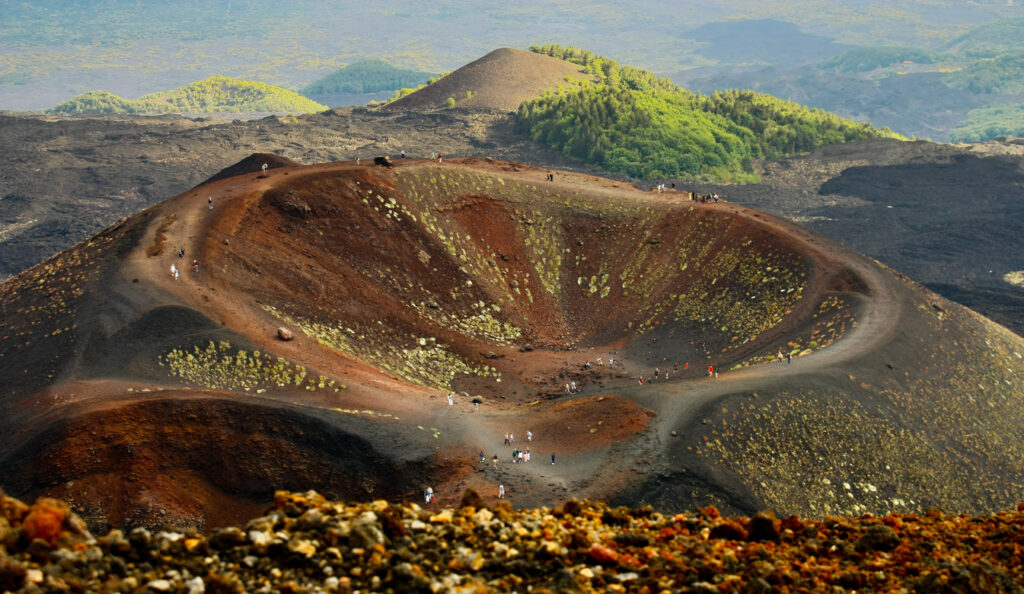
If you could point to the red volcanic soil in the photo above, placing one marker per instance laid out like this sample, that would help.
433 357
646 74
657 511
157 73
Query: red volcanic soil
502 80
145 399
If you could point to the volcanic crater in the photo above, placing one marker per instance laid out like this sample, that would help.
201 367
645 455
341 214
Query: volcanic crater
778 369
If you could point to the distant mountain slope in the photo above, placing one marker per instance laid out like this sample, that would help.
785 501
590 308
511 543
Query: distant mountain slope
367 76
501 80
763 41
990 122
994 37
633 122
866 59
211 95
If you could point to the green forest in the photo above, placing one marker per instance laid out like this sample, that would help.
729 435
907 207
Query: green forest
636 123
866 59
367 76
994 75
211 95
990 122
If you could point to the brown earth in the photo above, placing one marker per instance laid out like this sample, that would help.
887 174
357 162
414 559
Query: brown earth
145 399
501 80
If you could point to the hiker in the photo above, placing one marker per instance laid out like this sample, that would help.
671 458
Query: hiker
567 389
522 456
264 168
656 372
174 271
494 460
552 459
511 439
789 358
711 370
181 253
515 456
210 202
403 154
526 457
778 355
451 399
572 384
586 365
476 403
195 266
600 362
501 491
482 457
529 436
506 438
611 363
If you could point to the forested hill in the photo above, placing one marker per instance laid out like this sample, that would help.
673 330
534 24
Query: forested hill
367 76
211 95
633 122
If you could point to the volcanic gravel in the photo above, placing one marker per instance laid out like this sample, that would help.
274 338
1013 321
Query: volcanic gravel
305 543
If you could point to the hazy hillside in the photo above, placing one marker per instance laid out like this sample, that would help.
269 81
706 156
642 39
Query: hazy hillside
367 76
990 122
212 95
633 122
763 41
866 59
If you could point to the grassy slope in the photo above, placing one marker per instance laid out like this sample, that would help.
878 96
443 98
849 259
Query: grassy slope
214 94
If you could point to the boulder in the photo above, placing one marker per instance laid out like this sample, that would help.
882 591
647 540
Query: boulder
878 538
285 334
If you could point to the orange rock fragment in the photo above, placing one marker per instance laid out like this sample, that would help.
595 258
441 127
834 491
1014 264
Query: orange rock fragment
44 519
602 554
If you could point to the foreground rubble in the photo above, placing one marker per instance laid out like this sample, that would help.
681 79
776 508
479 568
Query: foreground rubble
305 543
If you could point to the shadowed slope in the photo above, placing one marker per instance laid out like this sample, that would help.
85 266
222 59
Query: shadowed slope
481 278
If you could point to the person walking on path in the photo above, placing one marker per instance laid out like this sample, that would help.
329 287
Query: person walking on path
210 202
789 358
482 457
451 399
552 459
494 460
529 436
501 491
506 438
